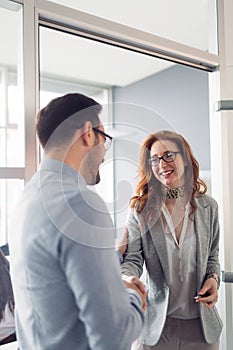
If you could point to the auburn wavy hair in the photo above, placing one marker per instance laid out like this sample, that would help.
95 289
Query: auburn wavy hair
148 190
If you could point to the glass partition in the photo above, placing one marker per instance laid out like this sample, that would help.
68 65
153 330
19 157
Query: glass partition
71 64
140 94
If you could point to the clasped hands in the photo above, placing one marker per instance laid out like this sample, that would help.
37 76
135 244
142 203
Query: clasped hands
134 283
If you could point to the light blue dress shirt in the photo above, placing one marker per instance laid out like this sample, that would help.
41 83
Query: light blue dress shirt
66 275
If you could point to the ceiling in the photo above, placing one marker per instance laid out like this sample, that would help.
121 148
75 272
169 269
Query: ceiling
185 21
71 58
93 62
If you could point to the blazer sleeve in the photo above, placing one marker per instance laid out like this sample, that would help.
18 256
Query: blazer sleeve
133 259
213 265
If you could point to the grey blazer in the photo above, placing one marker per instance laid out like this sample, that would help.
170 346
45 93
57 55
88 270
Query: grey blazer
148 244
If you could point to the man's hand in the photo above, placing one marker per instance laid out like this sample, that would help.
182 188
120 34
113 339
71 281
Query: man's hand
134 283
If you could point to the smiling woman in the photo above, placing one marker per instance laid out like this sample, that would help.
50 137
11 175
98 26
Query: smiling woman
173 228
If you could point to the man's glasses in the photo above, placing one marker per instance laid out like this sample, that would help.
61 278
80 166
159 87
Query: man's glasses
167 157
108 138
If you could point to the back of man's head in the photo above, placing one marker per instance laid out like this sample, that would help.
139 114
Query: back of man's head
65 115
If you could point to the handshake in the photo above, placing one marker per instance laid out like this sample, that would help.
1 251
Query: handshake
134 283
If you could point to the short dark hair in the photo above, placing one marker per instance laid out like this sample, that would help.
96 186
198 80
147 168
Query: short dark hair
80 107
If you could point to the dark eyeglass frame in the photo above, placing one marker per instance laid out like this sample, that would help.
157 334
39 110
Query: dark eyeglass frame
108 138
154 161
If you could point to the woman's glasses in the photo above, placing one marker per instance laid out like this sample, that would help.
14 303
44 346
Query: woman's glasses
167 157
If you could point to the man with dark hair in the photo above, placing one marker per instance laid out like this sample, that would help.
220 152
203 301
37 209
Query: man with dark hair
67 282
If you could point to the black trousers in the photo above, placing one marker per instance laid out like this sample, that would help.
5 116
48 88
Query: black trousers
9 339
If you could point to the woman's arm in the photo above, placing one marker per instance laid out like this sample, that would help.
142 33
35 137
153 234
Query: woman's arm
133 259
209 292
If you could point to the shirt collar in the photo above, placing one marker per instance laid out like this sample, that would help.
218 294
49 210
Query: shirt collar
62 168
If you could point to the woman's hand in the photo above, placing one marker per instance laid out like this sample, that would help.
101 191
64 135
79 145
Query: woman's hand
208 295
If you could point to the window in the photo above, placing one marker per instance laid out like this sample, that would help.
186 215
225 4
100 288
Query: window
12 157
76 68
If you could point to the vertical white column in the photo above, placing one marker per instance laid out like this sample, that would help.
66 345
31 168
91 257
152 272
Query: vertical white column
30 81
221 128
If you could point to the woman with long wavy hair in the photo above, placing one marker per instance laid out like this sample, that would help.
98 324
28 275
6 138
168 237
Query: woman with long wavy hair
173 228
7 323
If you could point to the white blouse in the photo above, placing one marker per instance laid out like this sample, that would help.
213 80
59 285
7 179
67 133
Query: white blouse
182 267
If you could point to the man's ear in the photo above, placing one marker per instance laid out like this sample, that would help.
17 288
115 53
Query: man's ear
87 134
